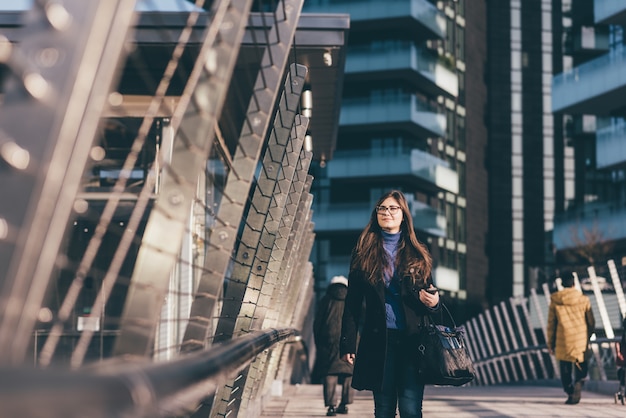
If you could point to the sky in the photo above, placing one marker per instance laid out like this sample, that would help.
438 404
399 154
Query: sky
162 5
15 4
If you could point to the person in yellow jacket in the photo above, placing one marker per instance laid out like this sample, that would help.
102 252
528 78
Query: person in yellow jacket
570 324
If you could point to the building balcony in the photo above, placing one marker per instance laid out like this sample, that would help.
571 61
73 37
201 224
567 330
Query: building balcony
611 145
419 17
609 12
602 222
423 170
596 87
587 41
421 68
338 217
581 125
403 112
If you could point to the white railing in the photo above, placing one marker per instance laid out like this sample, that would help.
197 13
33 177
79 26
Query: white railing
508 340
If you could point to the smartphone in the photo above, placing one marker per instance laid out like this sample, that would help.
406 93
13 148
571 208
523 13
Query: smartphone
432 291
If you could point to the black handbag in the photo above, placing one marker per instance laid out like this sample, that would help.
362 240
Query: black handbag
442 357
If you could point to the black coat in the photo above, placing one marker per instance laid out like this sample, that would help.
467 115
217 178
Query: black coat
370 356
327 331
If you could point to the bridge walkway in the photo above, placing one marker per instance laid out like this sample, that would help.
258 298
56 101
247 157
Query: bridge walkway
510 401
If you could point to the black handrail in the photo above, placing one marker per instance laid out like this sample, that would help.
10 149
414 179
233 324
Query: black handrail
130 387
535 348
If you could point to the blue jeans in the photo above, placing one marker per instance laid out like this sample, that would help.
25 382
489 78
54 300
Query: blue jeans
400 389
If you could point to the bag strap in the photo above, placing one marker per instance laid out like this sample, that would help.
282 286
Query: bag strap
443 308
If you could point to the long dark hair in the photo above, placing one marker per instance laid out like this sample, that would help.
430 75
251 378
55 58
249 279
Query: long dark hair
412 259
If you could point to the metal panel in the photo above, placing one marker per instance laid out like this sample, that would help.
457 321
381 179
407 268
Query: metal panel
196 116
483 362
519 326
475 355
496 343
66 67
514 342
285 239
617 285
265 211
259 234
239 180
542 322
280 196
282 292
485 332
288 240
300 293
292 284
604 316
258 384
268 307
277 354
531 333
505 341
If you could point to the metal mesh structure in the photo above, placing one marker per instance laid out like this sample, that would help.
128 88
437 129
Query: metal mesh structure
156 195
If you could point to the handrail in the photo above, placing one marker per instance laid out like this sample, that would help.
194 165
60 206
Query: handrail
534 348
493 368
129 387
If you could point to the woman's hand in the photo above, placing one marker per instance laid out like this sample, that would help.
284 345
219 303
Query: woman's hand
348 358
429 299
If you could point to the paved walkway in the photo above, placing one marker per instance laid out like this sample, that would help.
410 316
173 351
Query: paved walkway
305 401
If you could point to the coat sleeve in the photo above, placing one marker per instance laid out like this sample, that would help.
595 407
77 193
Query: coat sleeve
552 324
590 320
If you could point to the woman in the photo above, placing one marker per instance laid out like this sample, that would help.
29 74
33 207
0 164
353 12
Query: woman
390 276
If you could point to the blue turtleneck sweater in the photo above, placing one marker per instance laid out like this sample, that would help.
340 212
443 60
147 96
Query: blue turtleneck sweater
393 303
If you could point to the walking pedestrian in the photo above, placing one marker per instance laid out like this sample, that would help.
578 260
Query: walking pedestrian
390 290
570 324
329 367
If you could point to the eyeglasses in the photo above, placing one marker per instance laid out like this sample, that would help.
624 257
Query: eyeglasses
392 209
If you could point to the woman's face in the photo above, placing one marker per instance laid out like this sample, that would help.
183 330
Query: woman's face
389 215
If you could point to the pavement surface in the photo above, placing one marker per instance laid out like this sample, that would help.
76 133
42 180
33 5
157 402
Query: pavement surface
306 401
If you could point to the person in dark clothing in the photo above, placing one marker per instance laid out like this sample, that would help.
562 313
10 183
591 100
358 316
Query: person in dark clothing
390 273
326 332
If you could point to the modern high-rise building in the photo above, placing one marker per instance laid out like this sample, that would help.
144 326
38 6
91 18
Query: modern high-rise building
403 125
450 101
588 97
524 161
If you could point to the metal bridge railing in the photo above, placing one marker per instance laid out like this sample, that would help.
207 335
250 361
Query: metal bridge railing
126 387
156 223
524 364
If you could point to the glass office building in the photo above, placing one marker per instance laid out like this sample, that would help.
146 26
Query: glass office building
588 96
402 125
452 105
